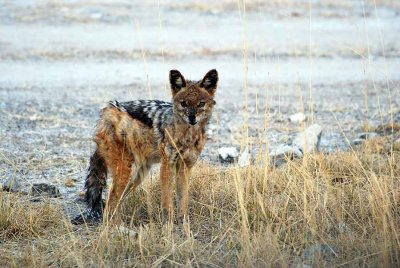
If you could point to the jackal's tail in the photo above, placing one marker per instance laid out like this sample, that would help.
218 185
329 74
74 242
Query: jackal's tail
95 183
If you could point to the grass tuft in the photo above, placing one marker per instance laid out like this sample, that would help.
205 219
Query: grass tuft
324 210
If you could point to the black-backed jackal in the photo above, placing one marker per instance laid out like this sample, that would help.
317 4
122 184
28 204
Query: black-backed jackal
131 136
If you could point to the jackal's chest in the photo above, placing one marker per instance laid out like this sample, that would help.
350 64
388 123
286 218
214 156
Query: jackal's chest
186 145
192 138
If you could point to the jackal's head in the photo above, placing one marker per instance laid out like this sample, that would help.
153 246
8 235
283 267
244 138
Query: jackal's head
193 100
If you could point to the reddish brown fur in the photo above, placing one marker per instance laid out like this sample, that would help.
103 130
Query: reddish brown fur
123 142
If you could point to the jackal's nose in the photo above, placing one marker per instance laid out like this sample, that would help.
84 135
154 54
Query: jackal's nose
192 120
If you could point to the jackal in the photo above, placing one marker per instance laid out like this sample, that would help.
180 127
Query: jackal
131 136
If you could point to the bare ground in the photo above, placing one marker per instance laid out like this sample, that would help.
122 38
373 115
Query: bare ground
61 62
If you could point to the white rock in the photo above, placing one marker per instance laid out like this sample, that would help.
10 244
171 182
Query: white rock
212 127
302 265
96 15
357 141
228 154
297 118
367 135
308 140
125 232
284 149
244 158
284 152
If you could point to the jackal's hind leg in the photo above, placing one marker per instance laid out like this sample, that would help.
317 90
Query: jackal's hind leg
121 169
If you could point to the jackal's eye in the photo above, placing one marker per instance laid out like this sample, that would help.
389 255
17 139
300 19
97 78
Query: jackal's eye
201 104
184 104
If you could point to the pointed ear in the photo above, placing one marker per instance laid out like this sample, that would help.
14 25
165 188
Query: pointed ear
210 81
176 80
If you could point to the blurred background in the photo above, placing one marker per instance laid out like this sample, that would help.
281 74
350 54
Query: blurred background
337 62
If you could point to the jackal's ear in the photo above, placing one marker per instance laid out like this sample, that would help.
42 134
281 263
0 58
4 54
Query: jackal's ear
176 80
210 81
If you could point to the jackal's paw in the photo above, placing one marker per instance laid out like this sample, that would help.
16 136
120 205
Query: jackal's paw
88 216
181 219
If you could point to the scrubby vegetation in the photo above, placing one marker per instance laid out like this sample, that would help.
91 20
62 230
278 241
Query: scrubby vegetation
325 210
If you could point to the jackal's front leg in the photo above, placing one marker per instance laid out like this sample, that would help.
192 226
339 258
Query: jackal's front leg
182 191
165 176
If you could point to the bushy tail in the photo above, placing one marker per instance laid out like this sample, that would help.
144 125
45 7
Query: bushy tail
95 181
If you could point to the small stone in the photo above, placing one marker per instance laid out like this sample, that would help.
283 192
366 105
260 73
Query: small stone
69 182
319 251
301 265
11 185
228 154
343 228
211 129
44 189
297 118
96 15
33 117
283 153
367 135
356 142
121 230
308 140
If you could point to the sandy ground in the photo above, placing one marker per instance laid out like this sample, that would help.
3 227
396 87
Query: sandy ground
61 61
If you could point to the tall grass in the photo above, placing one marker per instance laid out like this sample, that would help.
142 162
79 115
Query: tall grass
325 210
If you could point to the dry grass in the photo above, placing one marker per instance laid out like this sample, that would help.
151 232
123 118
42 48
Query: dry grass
254 216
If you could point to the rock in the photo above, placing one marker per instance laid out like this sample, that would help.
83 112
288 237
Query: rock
356 142
69 182
11 185
95 15
283 153
212 129
44 189
343 228
126 232
228 154
297 118
244 158
308 140
301 265
319 251
362 137
367 135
